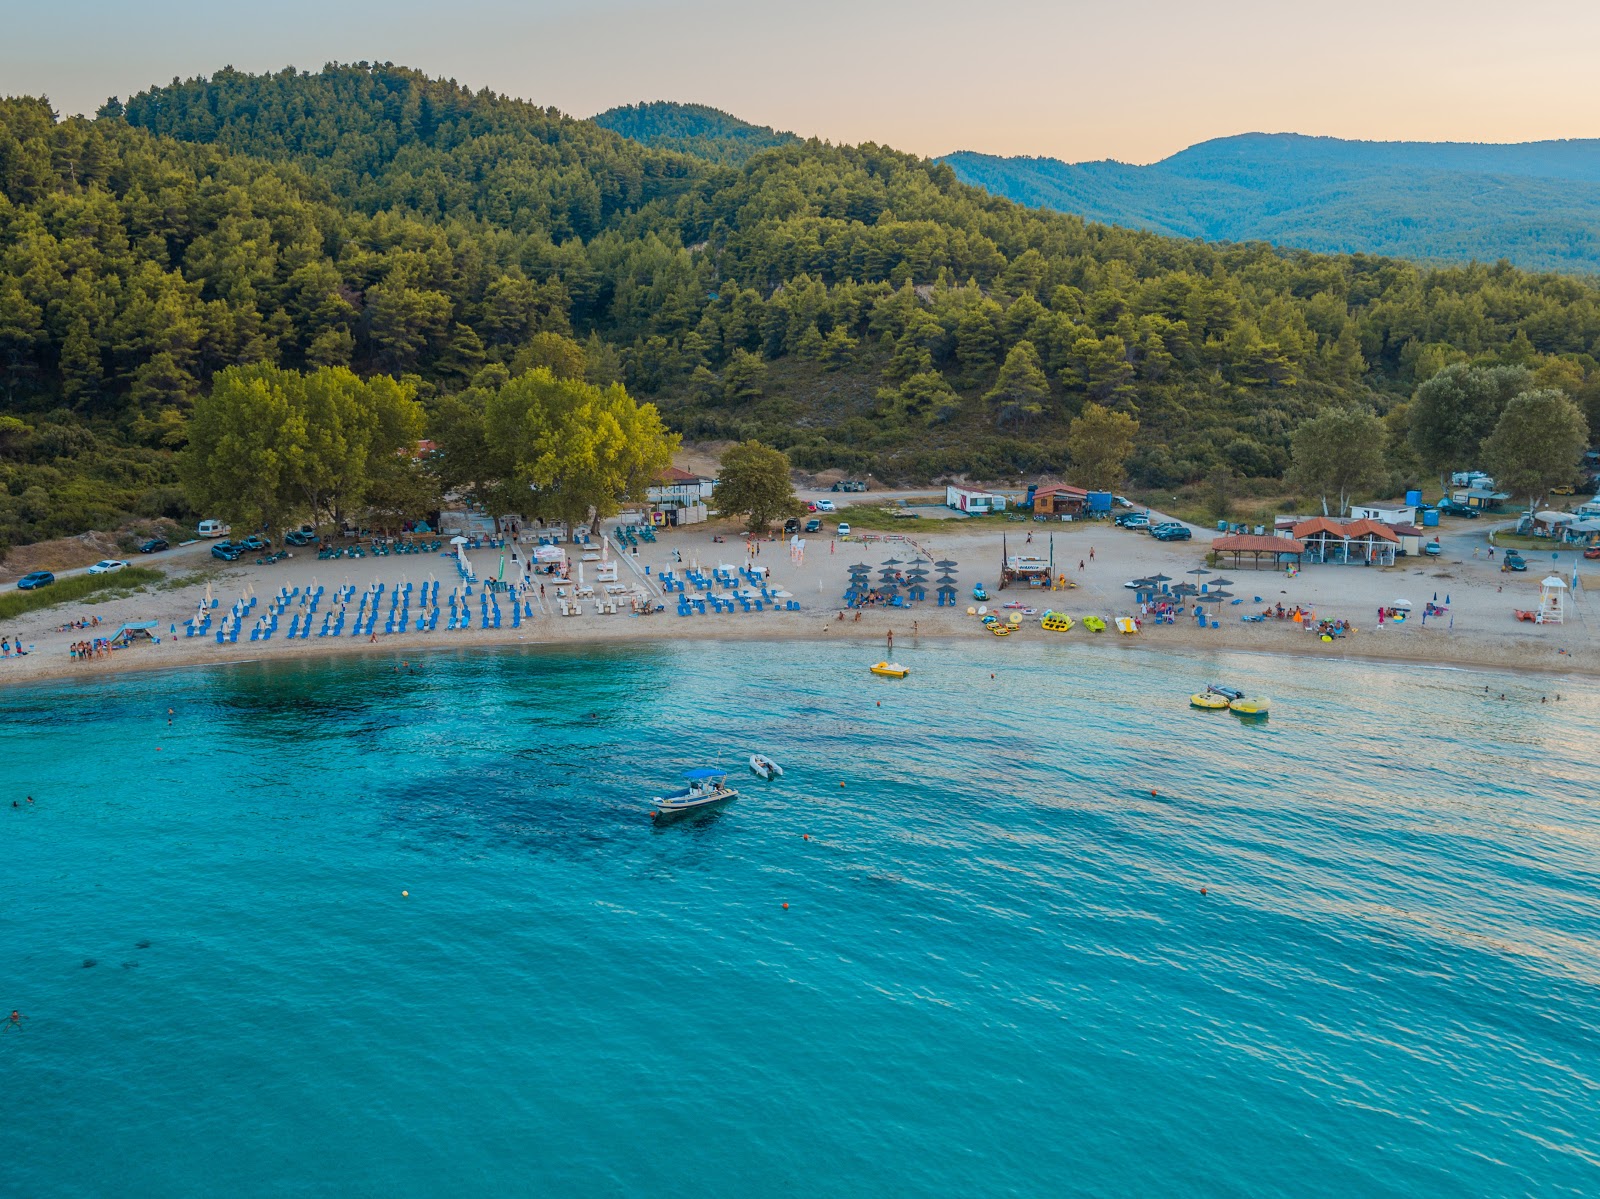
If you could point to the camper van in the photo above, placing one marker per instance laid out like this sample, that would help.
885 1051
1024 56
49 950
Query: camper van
213 528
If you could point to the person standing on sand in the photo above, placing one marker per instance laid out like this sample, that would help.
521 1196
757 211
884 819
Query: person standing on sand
1080 563
1091 553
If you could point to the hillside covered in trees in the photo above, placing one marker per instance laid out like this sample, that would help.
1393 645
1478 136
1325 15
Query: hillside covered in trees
1536 204
852 306
696 129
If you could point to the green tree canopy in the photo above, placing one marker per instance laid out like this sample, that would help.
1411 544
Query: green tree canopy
267 443
754 482
1538 443
571 449
1338 454
1457 408
1021 390
1099 442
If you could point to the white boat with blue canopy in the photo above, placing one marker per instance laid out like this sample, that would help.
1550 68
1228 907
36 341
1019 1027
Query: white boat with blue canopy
705 786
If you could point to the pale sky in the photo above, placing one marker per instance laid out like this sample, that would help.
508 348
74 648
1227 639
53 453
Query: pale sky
1070 79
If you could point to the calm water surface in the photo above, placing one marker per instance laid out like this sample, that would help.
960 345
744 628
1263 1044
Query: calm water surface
997 973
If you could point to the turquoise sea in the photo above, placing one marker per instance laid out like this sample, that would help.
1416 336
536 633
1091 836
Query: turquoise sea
997 974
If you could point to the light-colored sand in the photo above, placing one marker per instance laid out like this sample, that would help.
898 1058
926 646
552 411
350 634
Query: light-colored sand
1480 630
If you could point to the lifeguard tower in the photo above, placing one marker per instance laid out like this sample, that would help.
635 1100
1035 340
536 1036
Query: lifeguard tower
1552 600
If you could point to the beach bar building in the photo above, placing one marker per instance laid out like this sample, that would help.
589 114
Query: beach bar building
1061 500
1265 553
1369 542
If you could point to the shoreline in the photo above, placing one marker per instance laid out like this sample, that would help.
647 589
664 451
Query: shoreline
872 630
1092 564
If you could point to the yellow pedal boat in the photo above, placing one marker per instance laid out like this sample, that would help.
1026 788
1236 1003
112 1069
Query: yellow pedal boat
1094 624
1125 625
889 670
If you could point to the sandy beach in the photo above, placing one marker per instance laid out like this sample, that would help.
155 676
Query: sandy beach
1478 631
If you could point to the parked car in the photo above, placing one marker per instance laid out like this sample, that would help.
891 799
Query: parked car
225 551
1564 489
1432 548
154 546
1122 501
791 526
299 537
1451 508
1513 561
1132 520
256 544
1592 552
35 580
107 566
825 506
813 525
213 528
844 529
1172 533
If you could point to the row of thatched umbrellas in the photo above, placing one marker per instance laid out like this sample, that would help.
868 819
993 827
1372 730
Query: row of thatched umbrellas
887 574
1215 588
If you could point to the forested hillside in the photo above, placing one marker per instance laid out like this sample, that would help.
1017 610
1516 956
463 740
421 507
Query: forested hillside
1536 204
696 129
855 307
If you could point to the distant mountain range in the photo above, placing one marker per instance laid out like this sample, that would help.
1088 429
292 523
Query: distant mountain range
1535 203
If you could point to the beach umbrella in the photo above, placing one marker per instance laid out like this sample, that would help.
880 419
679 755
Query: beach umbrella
893 562
1161 578
861 566
1199 570
944 564
1185 589
1220 595
919 562
1221 582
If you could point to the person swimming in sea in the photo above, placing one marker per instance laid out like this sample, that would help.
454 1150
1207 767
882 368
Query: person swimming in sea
14 1021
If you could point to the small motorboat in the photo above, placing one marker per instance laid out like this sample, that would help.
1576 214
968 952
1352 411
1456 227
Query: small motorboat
1094 624
1056 622
889 670
706 787
765 767
980 592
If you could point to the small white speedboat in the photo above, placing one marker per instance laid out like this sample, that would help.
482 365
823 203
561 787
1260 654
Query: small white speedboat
706 787
764 767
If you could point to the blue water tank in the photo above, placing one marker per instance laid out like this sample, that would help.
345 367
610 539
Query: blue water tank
1430 518
1413 499
1099 501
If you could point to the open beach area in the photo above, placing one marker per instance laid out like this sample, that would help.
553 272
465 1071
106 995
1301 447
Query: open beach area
1476 627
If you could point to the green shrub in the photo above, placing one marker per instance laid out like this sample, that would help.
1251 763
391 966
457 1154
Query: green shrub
92 589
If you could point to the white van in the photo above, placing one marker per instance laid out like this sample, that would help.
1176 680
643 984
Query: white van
213 528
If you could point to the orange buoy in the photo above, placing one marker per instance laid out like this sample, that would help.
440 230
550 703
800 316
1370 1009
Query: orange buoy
405 895
807 836
1202 890
1152 792
786 907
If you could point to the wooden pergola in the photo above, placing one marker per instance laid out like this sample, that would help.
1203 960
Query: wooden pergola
1274 549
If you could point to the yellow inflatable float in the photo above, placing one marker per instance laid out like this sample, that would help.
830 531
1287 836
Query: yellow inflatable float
1056 622
1094 624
